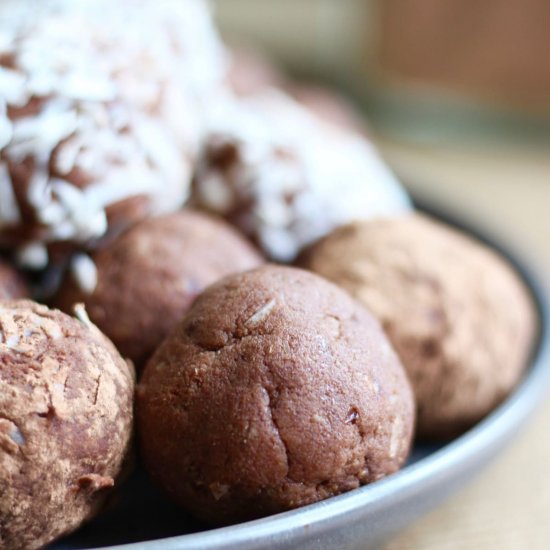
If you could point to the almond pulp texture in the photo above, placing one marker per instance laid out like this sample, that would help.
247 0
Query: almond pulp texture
457 314
66 401
148 277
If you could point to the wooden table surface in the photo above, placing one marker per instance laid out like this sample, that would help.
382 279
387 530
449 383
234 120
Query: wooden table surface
506 191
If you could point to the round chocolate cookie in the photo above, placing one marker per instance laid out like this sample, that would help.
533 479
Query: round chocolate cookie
65 422
286 177
12 284
100 119
276 390
456 313
139 286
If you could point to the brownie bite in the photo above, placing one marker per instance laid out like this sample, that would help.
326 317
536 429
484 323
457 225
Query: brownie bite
277 390
140 285
66 400
460 319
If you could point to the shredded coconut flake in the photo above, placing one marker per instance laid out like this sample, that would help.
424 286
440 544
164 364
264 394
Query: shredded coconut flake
82 315
84 272
395 438
13 341
261 314
32 256
6 131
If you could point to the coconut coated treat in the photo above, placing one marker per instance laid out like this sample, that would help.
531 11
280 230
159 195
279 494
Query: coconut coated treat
286 177
12 284
276 390
65 422
139 286
458 316
100 119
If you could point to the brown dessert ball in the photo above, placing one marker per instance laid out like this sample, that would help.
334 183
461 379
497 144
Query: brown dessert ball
458 316
65 422
277 390
139 286
12 284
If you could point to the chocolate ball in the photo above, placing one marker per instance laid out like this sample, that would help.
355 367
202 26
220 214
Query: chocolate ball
277 390
66 401
12 284
456 313
139 286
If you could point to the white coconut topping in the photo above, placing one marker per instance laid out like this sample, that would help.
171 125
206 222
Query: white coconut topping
299 176
396 436
82 315
84 272
12 85
261 314
105 98
32 256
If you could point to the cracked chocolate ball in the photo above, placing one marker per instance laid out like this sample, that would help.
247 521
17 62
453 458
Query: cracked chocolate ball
12 284
138 287
277 390
65 422
456 313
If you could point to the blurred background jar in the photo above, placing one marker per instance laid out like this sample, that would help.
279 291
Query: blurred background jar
425 70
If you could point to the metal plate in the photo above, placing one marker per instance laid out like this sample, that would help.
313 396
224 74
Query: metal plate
141 519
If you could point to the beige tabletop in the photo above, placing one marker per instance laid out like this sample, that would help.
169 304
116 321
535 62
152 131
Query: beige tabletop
508 192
